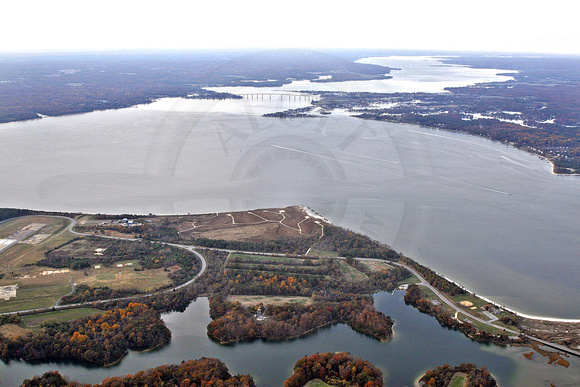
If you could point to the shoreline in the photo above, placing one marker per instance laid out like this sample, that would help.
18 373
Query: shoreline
511 310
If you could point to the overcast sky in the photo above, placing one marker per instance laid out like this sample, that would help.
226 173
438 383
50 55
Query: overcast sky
505 26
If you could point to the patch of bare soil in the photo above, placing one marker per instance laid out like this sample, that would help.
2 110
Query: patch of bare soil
118 234
256 225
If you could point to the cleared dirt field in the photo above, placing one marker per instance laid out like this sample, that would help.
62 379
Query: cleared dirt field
256 225
123 277
274 300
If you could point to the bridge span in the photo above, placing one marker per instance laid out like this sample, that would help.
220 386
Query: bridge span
282 96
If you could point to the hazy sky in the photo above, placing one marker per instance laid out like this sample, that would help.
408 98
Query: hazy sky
521 26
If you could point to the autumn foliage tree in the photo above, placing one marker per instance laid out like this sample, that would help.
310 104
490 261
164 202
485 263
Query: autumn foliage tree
193 373
335 369
102 338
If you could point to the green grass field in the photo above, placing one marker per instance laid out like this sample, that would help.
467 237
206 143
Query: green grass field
34 298
316 383
282 265
262 258
411 280
34 320
350 273
458 380
322 253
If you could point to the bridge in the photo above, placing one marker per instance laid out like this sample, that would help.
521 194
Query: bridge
282 96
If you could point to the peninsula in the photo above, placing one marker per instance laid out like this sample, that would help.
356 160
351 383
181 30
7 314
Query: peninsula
91 287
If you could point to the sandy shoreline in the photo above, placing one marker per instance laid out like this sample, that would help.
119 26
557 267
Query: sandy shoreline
529 316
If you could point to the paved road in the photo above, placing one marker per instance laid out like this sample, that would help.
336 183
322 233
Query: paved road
204 266
469 315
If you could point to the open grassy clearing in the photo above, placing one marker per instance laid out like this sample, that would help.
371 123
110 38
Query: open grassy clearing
458 380
274 268
430 296
86 246
411 280
34 276
13 331
34 298
375 265
274 300
322 253
271 258
477 302
476 308
123 277
481 326
350 273
316 383
43 286
34 320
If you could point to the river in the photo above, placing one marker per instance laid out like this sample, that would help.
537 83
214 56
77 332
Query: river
491 217
486 215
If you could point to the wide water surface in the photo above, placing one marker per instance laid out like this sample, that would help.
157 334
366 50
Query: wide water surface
411 74
488 216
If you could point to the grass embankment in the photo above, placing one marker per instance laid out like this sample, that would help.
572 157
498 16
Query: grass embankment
322 253
34 320
350 273
410 280
265 258
375 265
34 298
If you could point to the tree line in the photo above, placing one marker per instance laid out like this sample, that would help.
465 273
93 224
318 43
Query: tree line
335 369
413 296
192 373
441 376
233 322
100 338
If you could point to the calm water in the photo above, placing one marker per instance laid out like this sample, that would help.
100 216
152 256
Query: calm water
419 343
412 74
486 215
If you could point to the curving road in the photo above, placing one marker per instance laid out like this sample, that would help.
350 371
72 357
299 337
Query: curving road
469 315
423 282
